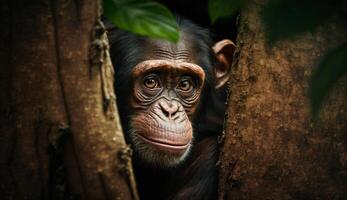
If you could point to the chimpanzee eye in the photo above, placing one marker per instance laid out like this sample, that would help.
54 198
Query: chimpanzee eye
186 84
151 82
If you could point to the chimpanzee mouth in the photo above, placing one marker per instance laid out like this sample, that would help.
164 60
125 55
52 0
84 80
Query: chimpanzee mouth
165 146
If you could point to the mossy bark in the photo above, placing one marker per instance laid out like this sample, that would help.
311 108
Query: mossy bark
271 148
60 132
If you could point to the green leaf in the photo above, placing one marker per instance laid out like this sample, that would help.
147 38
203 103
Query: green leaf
332 67
224 8
284 19
142 17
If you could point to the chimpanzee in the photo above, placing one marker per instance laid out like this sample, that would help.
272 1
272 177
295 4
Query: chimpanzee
172 108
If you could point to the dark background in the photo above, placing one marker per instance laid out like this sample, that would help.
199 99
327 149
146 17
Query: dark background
196 11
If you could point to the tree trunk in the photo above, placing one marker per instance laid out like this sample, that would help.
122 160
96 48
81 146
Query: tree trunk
271 148
60 132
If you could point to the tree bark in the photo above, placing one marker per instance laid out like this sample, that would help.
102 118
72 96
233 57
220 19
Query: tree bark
271 148
60 132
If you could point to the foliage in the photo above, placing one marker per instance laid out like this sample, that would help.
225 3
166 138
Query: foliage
332 67
287 18
142 17
283 19
222 8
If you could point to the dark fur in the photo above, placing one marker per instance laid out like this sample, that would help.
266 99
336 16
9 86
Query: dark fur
196 177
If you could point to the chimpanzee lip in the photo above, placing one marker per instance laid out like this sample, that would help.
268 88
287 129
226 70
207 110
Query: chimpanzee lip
164 145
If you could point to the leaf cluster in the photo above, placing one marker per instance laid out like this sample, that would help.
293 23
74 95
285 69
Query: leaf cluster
283 19
142 17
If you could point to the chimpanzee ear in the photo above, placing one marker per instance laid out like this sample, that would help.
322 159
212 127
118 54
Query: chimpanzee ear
224 51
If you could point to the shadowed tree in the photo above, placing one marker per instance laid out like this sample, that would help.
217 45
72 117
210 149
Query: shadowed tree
60 136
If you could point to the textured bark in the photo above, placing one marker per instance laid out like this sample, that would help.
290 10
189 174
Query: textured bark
60 133
272 149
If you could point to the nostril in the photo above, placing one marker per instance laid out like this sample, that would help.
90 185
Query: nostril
174 110
166 113
169 109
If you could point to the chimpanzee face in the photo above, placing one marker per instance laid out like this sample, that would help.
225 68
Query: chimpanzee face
159 87
166 92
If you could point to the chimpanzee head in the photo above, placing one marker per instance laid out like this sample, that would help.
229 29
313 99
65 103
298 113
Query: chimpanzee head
160 87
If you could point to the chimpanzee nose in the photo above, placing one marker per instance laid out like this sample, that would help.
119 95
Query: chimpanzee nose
169 108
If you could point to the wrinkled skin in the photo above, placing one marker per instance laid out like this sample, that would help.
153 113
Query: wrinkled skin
166 93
